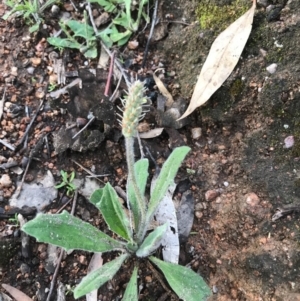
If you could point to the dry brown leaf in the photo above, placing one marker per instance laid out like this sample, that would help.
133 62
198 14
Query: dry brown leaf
163 90
223 56
151 134
17 294
95 263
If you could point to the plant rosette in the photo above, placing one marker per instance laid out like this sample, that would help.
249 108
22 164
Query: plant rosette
71 233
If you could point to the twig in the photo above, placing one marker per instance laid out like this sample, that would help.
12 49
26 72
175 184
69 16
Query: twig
2 103
116 89
118 64
111 68
11 147
91 17
62 253
86 170
150 34
92 119
29 125
19 188
140 146
178 22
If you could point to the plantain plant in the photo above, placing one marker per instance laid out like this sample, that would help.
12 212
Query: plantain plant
135 239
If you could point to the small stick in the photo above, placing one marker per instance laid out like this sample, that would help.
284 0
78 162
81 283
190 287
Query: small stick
140 146
18 190
86 170
116 89
30 125
150 34
111 68
178 22
118 64
91 17
2 103
11 147
62 252
92 119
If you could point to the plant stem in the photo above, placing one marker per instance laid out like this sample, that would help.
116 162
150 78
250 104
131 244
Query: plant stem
129 143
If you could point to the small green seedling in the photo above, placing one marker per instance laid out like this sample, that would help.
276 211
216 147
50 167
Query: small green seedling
67 182
123 24
52 87
30 10
14 220
135 239
75 32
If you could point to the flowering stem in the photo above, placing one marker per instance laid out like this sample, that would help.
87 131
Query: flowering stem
129 142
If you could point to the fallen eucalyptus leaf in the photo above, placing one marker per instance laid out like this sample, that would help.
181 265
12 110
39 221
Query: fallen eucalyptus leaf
151 134
95 263
163 90
222 58
17 294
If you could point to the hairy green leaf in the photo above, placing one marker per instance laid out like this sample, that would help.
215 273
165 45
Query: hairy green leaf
188 285
81 29
131 292
98 277
63 43
69 232
152 241
165 178
141 173
113 212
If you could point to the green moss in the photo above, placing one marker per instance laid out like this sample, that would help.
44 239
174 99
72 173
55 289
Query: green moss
236 88
217 18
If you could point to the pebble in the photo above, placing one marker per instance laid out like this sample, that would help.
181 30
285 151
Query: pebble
198 214
196 133
14 71
36 61
5 181
133 44
252 199
30 70
272 68
210 195
289 142
2 159
24 268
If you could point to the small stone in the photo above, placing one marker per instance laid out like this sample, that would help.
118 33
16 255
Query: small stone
24 268
252 199
30 70
14 71
82 259
40 93
148 279
198 214
289 142
210 195
196 133
5 181
133 45
272 68
36 61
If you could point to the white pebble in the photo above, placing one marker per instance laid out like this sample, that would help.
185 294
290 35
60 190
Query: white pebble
272 68
289 142
226 184
30 70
